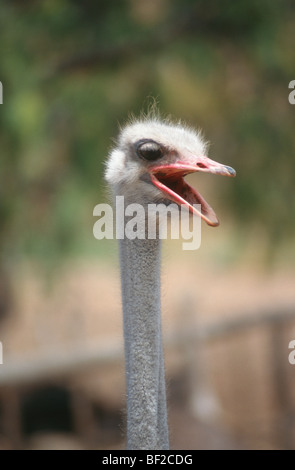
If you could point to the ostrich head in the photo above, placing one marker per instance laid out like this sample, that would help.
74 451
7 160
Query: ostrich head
151 159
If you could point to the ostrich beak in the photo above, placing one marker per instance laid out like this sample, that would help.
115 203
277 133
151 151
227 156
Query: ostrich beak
169 178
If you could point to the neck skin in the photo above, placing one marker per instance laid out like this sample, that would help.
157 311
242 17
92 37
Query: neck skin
145 378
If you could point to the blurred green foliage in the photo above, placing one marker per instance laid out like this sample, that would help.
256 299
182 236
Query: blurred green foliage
72 70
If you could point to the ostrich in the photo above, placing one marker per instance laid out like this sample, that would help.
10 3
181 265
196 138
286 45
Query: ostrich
148 165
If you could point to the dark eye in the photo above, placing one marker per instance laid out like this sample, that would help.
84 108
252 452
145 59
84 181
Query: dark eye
149 150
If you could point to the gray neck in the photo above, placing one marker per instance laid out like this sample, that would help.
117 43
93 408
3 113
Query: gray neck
145 378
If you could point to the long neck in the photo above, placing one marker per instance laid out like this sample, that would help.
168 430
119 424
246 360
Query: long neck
146 397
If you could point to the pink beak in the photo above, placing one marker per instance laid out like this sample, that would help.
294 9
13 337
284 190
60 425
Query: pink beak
169 178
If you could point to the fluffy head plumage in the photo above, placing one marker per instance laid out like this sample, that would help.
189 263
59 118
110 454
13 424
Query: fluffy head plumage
150 160
124 166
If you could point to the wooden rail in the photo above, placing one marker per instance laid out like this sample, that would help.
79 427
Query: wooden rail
58 362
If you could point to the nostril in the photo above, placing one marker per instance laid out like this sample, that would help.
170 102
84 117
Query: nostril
201 165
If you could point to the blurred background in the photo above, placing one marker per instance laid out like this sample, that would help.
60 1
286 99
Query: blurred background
71 72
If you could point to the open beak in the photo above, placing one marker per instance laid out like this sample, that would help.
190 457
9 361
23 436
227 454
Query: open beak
169 179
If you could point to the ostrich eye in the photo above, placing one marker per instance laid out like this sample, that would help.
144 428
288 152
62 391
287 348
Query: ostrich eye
149 150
